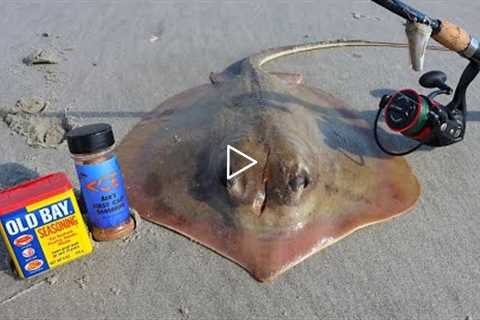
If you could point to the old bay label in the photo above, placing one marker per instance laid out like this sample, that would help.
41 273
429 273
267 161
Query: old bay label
45 234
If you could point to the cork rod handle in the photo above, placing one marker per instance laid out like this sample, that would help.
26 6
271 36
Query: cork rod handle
453 37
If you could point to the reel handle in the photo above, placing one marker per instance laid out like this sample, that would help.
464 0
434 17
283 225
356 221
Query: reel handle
435 79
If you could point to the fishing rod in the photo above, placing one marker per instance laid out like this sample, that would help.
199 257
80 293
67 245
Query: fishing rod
421 117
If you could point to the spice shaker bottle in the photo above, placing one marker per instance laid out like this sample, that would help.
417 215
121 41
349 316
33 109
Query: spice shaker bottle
101 181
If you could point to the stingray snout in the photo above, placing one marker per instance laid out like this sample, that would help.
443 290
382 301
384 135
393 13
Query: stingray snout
270 185
248 191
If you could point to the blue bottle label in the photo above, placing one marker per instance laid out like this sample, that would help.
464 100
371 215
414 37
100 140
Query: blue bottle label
103 190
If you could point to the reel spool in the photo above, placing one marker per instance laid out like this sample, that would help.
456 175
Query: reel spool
406 112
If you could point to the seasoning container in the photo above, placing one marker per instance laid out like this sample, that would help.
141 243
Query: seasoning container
41 225
101 181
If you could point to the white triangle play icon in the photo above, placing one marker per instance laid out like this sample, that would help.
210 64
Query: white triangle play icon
251 164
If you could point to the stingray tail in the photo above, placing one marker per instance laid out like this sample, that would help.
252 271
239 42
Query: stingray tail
261 58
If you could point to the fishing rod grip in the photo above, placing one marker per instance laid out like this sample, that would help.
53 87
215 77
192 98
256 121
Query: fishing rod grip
453 37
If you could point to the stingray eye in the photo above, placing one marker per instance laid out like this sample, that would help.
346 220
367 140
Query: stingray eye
222 178
231 183
299 182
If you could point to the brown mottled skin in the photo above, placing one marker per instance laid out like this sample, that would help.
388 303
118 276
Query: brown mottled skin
319 175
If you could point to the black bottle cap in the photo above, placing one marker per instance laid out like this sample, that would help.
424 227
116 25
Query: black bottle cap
90 139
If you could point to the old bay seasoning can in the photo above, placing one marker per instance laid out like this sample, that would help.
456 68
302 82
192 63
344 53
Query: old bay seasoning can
41 225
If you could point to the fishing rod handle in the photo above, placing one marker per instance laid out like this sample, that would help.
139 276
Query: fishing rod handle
453 37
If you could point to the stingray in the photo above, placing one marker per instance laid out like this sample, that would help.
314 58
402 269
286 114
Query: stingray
319 174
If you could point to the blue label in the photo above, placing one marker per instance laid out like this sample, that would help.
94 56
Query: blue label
103 190
20 229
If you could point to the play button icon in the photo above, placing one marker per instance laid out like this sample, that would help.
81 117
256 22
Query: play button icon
252 162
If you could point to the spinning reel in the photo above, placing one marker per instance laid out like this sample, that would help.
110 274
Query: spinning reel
421 117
